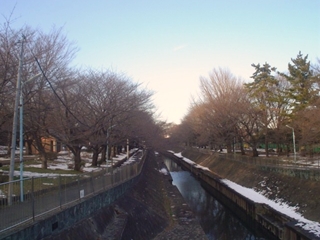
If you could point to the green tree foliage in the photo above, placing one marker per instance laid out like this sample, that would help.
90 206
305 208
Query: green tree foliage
262 92
302 91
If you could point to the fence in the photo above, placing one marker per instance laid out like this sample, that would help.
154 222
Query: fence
46 195
272 160
302 167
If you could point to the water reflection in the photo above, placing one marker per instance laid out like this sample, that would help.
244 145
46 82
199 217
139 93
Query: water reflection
216 220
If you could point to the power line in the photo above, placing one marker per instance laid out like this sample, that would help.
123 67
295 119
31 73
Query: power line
54 91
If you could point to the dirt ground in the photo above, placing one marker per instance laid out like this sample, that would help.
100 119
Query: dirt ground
305 194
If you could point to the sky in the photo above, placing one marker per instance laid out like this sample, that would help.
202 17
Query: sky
168 45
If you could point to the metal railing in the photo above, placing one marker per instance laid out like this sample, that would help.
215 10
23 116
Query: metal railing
272 160
45 195
302 167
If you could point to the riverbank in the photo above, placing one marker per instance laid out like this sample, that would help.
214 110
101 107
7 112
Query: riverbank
296 192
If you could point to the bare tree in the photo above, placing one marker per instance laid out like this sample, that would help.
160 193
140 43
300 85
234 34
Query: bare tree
93 106
221 100
9 53
48 54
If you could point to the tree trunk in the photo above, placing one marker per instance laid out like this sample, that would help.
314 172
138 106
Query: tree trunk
113 151
255 151
103 153
29 147
44 162
266 145
229 148
42 152
77 157
95 155
241 146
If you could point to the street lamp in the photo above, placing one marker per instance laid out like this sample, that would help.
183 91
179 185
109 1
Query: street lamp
14 124
128 151
107 150
21 134
294 144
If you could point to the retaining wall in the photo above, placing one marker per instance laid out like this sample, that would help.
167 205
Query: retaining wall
68 217
262 216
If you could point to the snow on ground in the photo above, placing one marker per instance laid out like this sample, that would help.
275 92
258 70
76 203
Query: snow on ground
305 162
64 159
34 174
2 195
164 171
311 226
134 157
306 224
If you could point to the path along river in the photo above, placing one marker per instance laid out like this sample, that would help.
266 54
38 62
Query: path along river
217 221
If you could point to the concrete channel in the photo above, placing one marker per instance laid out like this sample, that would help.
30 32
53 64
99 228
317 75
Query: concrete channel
146 207
258 215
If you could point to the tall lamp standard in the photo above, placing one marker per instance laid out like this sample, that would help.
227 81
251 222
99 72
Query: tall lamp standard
107 150
14 125
21 134
294 144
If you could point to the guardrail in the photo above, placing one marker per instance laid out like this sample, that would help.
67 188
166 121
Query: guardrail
46 195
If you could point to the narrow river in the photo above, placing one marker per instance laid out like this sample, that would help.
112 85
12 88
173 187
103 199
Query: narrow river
216 220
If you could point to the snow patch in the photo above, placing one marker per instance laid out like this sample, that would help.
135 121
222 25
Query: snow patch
164 171
277 204
311 226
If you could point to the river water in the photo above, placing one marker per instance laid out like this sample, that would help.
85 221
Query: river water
217 221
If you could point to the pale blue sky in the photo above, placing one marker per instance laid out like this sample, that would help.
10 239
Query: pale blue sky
167 45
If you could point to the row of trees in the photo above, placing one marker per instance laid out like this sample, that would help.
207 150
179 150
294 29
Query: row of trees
91 108
229 111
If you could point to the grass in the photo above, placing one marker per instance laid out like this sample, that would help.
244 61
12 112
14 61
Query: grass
55 171
38 170
40 183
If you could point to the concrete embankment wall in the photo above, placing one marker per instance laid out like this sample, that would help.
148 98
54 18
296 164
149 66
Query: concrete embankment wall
259 215
70 216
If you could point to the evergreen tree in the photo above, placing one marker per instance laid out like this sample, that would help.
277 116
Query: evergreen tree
302 91
262 93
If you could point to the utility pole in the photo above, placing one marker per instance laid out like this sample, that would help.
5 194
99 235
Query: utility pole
21 134
294 144
15 122
128 150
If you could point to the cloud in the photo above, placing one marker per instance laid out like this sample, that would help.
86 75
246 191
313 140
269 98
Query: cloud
178 48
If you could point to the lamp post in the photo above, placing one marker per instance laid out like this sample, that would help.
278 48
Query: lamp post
128 151
21 134
294 144
107 150
14 125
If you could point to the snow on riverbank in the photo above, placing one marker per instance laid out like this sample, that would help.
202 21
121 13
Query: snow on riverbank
64 159
311 226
